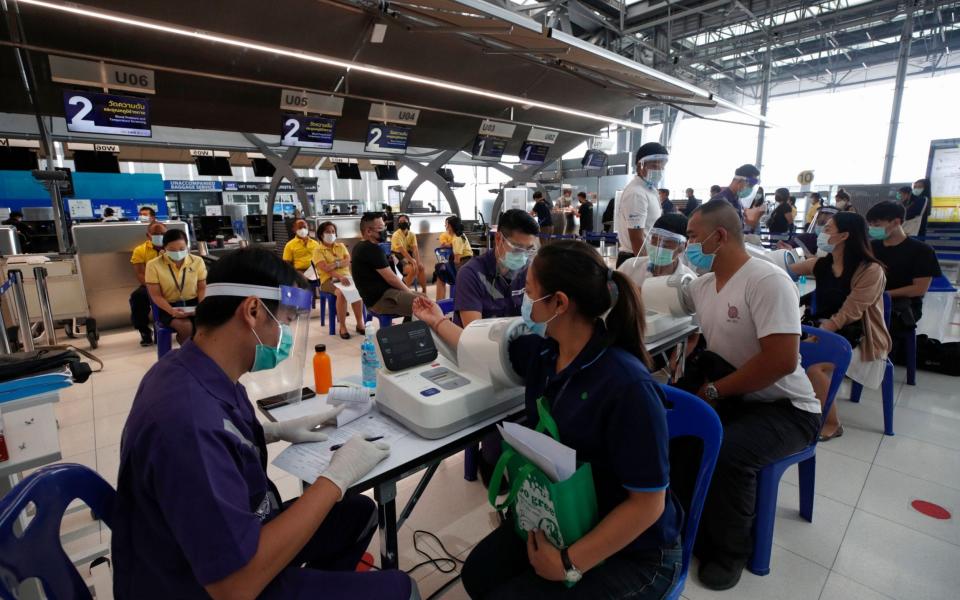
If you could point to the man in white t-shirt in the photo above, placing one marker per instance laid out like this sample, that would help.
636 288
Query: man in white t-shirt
639 205
749 314
667 241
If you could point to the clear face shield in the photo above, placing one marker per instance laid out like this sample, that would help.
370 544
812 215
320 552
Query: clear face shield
281 346
664 247
821 219
749 190
654 166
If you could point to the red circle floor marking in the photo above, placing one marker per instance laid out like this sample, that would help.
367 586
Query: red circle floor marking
934 511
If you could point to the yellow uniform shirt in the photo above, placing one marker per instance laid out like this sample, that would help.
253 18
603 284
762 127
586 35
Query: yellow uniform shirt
177 284
300 252
446 239
401 240
461 247
331 255
144 253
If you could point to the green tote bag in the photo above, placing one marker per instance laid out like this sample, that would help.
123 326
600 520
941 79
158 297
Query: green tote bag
564 510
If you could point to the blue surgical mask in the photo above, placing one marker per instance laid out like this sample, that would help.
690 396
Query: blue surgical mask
268 357
823 242
157 240
697 258
177 255
659 256
878 233
144 218
747 192
526 312
514 261
917 191
817 229
654 176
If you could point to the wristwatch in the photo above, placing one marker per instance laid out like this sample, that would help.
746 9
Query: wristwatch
572 574
711 392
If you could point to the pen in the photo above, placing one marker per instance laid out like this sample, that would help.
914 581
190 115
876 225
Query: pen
336 447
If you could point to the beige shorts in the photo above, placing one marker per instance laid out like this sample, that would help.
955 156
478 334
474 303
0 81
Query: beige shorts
395 302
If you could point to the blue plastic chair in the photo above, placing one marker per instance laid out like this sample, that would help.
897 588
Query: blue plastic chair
886 387
328 305
38 551
829 348
164 334
689 416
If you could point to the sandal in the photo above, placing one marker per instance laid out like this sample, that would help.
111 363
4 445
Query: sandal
361 331
835 434
344 335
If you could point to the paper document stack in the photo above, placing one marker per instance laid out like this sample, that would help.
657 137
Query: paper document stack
558 462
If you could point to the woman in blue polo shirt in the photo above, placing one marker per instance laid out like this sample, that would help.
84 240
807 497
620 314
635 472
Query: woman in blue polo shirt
594 377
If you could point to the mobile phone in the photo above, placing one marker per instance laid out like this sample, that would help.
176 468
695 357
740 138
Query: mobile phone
283 400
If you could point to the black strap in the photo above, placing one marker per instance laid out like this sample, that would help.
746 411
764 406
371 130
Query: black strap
183 277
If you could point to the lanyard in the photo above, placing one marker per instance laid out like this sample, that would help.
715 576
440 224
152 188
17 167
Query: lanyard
183 278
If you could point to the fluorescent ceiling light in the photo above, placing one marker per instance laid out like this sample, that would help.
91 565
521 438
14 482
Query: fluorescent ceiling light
216 38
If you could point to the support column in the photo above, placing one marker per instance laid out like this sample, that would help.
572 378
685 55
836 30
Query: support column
905 39
428 172
284 170
764 99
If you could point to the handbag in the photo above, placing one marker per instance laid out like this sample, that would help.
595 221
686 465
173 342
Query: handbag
47 358
564 510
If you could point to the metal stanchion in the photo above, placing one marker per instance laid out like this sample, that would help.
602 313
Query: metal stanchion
4 340
46 312
20 306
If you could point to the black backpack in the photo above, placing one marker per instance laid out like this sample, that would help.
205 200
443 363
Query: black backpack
934 355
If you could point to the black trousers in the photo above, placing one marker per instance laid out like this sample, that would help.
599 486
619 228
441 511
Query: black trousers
755 434
141 314
623 257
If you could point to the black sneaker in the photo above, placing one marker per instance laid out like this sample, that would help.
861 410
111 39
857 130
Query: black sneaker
720 575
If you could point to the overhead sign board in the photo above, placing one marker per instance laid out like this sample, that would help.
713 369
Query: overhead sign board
106 113
497 129
100 74
309 132
203 152
489 148
391 139
94 147
185 185
533 154
11 143
542 136
262 186
310 102
383 113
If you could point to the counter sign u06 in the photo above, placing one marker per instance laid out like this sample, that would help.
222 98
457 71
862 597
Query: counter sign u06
87 112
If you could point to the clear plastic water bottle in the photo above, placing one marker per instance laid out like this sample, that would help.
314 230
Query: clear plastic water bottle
369 362
803 280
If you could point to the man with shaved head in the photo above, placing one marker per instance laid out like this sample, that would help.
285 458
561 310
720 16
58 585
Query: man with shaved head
749 313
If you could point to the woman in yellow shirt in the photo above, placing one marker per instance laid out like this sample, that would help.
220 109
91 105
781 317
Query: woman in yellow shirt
452 238
176 281
300 250
404 246
333 266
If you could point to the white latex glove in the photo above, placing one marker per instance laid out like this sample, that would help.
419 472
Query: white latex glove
300 429
353 460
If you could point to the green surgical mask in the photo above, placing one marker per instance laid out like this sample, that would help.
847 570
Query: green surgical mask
878 233
659 256
268 357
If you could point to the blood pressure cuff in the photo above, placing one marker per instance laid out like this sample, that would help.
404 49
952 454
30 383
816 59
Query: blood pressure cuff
703 367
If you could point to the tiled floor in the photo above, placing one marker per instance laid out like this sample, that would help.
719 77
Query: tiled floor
866 542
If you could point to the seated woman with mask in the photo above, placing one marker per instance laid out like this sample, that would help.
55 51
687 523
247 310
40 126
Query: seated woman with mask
332 260
594 378
195 514
176 280
849 301
665 246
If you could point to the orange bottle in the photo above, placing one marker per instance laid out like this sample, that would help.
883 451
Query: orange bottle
322 372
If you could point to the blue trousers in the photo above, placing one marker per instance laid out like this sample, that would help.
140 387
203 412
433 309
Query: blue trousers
326 565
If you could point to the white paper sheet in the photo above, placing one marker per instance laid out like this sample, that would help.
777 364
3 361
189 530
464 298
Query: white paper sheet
350 292
308 461
348 395
558 462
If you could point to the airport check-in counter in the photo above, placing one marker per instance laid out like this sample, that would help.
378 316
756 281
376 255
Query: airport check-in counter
103 253
427 226
9 242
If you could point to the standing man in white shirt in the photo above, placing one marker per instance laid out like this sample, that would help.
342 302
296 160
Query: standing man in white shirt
639 205
749 313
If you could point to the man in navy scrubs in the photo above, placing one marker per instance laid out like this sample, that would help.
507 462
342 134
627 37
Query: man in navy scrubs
196 515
